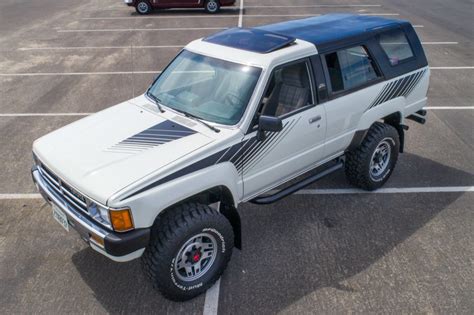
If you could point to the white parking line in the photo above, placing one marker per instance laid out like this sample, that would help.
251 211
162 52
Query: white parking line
241 12
211 302
34 74
439 43
315 6
98 47
87 114
161 17
220 16
407 190
43 114
141 29
336 191
448 107
39 74
452 68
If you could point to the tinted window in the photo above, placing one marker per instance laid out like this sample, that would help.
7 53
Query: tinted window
396 46
289 90
350 68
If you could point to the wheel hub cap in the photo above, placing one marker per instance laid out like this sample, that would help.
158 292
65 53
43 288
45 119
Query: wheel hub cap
195 257
380 159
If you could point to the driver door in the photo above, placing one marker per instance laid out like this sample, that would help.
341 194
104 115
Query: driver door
299 145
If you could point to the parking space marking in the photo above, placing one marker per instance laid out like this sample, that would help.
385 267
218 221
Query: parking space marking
241 12
98 47
161 17
315 6
222 16
39 74
452 68
439 43
43 114
19 196
448 107
335 191
87 114
407 190
33 74
141 29
211 302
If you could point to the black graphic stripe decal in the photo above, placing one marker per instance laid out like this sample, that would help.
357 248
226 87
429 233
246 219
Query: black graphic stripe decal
269 147
243 155
156 135
400 87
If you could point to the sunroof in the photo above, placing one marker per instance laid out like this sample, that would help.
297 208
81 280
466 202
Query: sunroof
250 39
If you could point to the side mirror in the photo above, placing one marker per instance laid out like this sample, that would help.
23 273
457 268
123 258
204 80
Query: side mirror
268 123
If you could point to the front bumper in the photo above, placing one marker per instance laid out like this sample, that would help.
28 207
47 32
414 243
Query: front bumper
116 246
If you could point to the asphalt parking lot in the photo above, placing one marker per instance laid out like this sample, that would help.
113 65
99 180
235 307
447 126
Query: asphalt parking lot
329 249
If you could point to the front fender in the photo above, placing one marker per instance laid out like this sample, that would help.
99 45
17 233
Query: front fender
148 204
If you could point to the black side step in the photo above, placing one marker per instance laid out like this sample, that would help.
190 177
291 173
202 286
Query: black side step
297 186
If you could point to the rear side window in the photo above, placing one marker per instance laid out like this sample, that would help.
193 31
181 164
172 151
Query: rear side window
396 46
350 68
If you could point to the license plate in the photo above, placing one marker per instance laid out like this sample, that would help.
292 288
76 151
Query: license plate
61 217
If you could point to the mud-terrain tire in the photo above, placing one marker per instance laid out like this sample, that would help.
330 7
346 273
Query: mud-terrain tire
190 238
370 165
143 7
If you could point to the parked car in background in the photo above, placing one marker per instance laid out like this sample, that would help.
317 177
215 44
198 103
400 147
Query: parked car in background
147 6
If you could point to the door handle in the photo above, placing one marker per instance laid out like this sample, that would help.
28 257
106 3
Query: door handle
314 119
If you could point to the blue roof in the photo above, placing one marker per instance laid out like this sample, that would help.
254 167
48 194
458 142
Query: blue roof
326 32
331 28
251 39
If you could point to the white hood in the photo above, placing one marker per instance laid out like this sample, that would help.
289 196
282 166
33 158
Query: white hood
105 152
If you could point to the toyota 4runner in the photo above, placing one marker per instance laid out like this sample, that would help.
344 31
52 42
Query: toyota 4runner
232 117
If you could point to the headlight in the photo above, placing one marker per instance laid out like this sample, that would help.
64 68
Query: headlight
99 213
119 220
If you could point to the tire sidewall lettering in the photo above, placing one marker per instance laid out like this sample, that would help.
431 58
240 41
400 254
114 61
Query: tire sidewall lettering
199 284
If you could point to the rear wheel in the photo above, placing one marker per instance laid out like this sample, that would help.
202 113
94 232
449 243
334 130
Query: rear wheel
212 6
143 7
189 250
371 164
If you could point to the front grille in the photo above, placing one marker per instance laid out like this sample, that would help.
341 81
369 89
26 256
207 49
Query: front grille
66 193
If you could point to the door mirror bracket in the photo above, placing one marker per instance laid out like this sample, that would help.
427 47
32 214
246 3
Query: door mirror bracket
268 123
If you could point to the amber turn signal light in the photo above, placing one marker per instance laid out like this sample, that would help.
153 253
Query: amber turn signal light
121 220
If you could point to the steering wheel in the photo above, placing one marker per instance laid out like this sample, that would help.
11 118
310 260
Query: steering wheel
233 99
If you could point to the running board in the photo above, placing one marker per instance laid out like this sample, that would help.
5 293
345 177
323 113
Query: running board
264 200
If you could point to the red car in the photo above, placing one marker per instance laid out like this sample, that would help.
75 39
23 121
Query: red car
146 6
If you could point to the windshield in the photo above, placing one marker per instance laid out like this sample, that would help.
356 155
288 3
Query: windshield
208 88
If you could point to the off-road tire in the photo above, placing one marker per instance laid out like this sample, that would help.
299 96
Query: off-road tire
358 161
170 233
143 3
212 6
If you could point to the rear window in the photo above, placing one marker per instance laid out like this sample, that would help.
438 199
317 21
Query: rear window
350 68
396 46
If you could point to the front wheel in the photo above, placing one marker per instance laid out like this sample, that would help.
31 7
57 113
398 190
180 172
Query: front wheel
143 7
371 164
189 249
212 6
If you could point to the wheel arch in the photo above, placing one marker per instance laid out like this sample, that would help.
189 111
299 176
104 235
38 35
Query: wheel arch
221 195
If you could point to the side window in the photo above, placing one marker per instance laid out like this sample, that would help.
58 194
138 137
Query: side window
289 89
396 46
350 68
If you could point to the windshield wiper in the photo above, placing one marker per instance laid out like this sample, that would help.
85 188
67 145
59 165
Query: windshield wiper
156 100
196 118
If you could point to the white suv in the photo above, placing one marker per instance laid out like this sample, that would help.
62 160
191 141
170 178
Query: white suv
233 116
